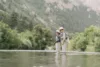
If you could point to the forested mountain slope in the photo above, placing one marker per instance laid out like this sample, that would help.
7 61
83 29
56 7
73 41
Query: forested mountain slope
74 15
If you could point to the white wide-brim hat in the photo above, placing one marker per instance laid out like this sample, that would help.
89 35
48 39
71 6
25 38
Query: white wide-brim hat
57 31
61 28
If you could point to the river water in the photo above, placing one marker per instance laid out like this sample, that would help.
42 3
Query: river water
48 59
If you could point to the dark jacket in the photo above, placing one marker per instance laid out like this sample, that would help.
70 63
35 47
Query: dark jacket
58 39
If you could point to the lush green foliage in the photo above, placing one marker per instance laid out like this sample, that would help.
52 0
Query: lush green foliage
8 37
42 37
91 36
20 32
38 38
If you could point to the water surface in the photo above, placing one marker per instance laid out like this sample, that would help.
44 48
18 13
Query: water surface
47 59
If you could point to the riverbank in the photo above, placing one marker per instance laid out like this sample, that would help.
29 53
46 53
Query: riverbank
53 51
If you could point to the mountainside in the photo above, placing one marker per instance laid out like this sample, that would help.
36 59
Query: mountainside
74 15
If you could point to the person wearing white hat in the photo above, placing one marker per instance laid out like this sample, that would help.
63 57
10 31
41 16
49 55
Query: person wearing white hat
58 41
64 39
61 28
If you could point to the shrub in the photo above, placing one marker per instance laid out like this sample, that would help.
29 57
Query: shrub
97 45
41 37
8 37
25 38
91 36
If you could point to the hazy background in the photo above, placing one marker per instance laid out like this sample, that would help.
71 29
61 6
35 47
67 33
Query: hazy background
74 15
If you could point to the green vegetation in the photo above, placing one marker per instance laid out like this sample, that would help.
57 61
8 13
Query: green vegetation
38 38
17 31
8 38
87 40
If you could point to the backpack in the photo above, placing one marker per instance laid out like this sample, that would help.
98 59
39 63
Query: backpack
58 39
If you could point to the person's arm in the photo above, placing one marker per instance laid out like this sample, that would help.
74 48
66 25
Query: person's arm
56 39
64 36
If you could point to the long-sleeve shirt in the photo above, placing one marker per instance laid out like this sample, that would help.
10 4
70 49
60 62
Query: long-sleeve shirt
64 37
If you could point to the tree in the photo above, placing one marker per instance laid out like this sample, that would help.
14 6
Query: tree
91 36
14 19
41 37
8 37
79 42
97 45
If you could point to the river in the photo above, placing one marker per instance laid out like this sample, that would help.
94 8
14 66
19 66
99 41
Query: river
48 59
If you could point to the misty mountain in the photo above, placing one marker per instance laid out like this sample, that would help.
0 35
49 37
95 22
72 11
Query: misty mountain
74 15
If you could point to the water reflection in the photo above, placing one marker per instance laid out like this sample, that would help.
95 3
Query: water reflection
64 60
57 59
61 60
31 59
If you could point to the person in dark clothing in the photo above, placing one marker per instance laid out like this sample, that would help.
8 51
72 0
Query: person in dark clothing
58 41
